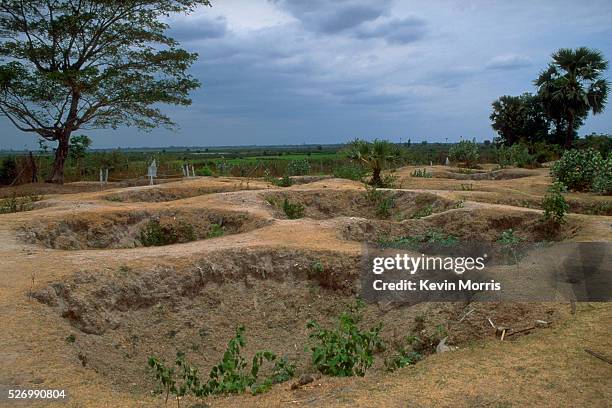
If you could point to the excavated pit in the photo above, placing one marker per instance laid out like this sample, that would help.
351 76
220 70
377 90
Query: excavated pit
503 174
326 204
119 318
172 194
129 229
467 225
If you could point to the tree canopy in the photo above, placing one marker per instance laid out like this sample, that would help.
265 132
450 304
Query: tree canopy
88 64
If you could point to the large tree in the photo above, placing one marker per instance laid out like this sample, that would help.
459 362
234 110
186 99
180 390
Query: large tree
89 64
517 118
573 86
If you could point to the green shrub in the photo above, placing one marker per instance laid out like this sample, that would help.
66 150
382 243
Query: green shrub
384 206
350 171
298 167
284 181
216 230
204 171
345 350
465 151
554 205
431 236
508 238
515 155
421 173
293 210
577 169
602 183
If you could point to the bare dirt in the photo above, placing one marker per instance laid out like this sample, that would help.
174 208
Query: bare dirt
73 269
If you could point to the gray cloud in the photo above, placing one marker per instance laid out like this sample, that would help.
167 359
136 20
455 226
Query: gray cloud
201 28
394 30
333 17
508 62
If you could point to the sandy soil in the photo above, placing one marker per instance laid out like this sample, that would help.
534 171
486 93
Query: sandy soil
123 304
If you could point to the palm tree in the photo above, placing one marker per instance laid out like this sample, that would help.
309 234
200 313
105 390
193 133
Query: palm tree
376 155
572 86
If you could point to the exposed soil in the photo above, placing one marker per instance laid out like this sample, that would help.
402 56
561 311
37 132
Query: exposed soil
87 319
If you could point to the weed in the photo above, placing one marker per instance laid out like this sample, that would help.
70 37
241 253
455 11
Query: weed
204 171
115 198
215 230
460 204
317 267
508 238
345 350
293 210
70 338
467 187
298 167
230 376
383 209
421 173
423 212
156 234
431 236
402 358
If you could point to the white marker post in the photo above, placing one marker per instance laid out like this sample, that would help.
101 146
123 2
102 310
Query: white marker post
152 172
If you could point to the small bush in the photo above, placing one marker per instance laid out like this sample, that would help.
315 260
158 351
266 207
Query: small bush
215 231
465 151
602 183
554 205
423 212
284 181
204 171
508 238
421 173
345 350
516 155
298 167
403 358
577 169
350 171
293 210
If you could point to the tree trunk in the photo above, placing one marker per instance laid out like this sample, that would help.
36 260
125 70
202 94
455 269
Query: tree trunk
569 137
60 158
376 181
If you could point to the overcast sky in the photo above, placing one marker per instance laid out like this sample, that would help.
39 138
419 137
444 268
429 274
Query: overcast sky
317 71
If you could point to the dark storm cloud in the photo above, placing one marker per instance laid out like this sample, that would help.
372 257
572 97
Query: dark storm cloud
329 17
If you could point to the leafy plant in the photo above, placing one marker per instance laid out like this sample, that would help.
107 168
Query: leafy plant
508 238
554 205
402 358
602 183
423 212
351 171
578 169
421 173
204 171
377 156
216 230
298 167
465 151
345 350
284 181
231 376
467 187
293 210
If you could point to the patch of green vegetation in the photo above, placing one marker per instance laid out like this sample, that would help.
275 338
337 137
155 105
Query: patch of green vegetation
114 198
298 167
230 376
383 201
467 187
215 230
15 204
554 205
431 236
583 170
345 350
423 212
293 210
421 173
317 267
350 171
156 234
204 171
465 151
508 237
70 339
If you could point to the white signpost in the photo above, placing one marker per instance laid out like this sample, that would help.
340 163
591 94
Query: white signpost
152 172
